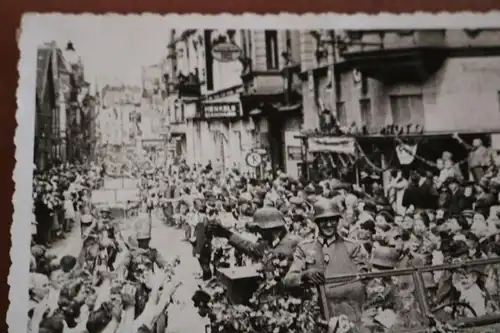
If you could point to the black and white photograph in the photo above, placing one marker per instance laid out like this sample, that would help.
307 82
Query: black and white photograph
241 176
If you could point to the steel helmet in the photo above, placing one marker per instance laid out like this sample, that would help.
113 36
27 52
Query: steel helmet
267 218
324 208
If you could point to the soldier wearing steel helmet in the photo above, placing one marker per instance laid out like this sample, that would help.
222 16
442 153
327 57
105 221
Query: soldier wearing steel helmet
327 256
269 223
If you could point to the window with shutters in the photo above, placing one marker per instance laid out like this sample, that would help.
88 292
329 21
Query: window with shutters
272 49
407 109
365 106
341 113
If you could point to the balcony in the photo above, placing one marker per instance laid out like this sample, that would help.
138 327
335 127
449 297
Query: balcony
395 56
189 86
272 87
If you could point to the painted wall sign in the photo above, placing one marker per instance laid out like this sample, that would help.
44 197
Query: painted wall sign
221 110
226 52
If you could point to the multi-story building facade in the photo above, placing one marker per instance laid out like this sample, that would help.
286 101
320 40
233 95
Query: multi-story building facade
404 83
64 107
152 107
81 109
225 90
242 90
432 78
120 115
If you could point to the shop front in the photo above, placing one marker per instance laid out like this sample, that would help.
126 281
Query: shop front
216 131
226 131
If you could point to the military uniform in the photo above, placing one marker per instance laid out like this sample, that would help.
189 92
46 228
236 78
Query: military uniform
265 218
143 259
335 256
285 245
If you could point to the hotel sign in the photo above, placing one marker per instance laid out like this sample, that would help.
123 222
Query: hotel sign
221 110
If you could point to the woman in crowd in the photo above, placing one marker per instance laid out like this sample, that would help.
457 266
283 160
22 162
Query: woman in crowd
428 220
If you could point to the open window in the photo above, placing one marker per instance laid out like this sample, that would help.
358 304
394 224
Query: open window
272 58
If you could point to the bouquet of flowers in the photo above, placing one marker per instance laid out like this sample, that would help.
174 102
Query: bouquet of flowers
271 308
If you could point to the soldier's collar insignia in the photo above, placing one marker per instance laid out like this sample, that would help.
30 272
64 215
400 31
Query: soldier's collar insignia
326 242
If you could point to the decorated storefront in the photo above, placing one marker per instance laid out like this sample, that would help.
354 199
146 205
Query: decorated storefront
327 155
366 159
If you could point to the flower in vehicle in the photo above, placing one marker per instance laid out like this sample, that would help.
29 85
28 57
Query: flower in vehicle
270 309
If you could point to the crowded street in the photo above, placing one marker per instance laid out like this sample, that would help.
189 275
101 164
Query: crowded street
169 242
206 197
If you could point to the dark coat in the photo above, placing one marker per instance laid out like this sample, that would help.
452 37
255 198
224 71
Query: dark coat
411 196
428 194
457 202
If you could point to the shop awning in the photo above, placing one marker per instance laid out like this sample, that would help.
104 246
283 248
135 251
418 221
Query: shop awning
339 145
285 107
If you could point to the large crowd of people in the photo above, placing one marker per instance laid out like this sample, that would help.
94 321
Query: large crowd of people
315 255
58 194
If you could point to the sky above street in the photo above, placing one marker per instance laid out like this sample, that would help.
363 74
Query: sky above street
112 50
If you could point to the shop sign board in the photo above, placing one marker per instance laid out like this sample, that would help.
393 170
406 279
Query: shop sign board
221 110
226 52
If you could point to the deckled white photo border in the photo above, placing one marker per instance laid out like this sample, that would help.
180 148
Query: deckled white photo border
33 24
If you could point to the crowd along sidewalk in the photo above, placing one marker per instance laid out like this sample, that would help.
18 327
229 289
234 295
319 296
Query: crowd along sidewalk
69 244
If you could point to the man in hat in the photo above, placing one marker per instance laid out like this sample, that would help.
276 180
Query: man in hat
269 223
327 256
